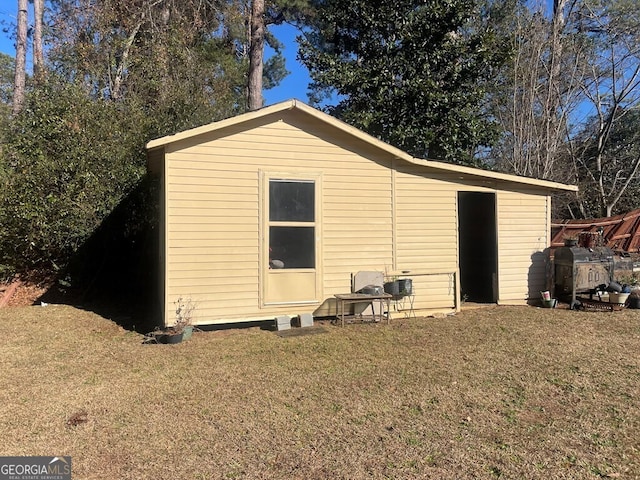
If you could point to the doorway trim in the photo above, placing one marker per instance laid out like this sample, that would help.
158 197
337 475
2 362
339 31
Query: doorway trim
478 246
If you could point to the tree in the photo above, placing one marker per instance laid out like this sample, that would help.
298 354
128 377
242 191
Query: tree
7 73
120 73
38 46
413 73
21 57
268 74
178 60
574 77
256 53
619 161
554 118
170 46
68 161
539 92
611 91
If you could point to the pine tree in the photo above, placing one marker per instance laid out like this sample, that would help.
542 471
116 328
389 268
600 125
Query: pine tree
409 72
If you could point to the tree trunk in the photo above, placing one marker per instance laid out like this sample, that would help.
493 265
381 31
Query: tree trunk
552 131
256 53
116 84
38 55
21 58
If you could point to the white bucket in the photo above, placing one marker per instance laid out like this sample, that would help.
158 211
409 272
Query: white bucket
617 297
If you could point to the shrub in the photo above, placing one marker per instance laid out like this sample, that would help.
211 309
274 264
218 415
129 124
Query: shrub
67 161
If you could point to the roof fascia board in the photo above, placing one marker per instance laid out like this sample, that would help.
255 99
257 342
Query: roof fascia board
477 172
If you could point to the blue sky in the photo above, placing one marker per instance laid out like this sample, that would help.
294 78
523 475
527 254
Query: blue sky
293 86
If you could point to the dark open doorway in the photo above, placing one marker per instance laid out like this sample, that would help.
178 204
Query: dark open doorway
478 251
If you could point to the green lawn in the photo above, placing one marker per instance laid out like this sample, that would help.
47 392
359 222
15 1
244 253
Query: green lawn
503 392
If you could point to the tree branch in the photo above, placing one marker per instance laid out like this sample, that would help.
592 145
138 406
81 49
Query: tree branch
120 72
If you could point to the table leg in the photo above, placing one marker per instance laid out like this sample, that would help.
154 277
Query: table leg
388 302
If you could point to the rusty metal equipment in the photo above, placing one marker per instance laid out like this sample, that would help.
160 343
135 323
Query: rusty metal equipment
580 270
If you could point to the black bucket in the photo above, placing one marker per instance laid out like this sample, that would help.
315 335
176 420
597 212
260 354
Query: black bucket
633 302
392 288
406 286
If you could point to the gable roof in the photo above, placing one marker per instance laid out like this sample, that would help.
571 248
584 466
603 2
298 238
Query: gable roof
294 104
621 233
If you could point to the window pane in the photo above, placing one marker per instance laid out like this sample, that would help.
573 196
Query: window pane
291 201
292 247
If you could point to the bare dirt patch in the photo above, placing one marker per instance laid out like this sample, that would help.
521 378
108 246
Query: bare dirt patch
506 392
17 293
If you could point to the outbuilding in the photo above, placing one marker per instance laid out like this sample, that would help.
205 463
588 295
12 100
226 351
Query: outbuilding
271 212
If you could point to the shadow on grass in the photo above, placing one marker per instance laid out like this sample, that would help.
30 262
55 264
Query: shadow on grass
115 272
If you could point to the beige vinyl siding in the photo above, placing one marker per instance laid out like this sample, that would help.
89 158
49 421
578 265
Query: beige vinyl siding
213 225
157 168
523 226
213 239
426 234
357 230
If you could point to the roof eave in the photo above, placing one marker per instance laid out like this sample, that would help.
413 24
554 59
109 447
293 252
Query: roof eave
228 122
489 174
365 137
402 155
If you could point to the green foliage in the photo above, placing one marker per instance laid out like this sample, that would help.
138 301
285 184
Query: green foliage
274 71
6 81
68 161
119 73
178 60
410 72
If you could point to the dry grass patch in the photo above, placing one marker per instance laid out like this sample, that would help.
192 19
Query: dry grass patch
501 392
